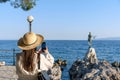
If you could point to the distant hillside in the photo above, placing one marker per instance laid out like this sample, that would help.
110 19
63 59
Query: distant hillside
109 38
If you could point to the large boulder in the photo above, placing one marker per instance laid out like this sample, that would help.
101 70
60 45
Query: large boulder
101 71
91 69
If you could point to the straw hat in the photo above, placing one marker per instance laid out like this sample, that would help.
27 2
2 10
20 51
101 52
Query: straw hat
30 40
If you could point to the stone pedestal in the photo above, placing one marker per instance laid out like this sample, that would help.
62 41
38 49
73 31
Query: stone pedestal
91 69
90 56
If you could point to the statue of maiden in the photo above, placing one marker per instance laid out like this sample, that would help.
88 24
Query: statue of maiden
90 39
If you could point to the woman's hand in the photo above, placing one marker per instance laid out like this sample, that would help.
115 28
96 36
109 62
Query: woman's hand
46 50
39 51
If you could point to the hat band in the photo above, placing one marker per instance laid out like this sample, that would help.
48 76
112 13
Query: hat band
32 43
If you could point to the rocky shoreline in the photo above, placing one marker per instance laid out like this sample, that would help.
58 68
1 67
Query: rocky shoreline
90 68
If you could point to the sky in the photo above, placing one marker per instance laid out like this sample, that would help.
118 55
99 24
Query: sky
62 19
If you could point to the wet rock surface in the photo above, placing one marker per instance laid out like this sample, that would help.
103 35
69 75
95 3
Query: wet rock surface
93 69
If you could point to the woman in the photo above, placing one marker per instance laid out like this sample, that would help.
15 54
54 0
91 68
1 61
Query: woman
27 60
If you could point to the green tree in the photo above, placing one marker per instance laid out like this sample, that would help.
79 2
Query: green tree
26 5
3 1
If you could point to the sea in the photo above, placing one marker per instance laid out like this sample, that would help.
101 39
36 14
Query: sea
69 50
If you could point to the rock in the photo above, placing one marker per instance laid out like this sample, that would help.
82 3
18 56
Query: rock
91 56
115 64
55 73
64 63
2 63
89 75
91 69
61 62
100 71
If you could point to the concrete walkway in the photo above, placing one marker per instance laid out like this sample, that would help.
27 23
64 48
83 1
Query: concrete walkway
8 73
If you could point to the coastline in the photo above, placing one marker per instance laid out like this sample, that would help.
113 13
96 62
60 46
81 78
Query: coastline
108 50
8 73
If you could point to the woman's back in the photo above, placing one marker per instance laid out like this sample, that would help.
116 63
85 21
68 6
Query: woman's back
23 74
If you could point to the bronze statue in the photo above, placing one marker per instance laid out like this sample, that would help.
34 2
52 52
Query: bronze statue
89 39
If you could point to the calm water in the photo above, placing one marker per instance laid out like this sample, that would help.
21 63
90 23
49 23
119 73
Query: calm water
68 50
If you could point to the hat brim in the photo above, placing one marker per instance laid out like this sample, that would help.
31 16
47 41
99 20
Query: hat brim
39 41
